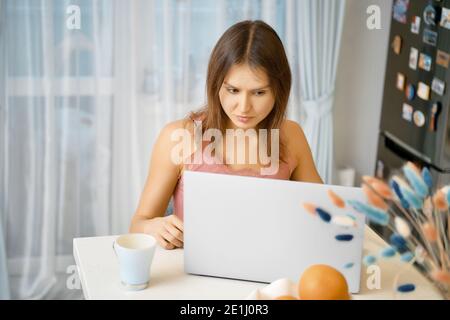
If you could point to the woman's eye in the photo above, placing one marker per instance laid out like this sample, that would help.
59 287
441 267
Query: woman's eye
236 91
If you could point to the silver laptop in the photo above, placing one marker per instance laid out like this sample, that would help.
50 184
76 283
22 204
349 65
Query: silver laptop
257 229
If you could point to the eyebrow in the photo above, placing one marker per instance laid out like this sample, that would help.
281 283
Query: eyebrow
226 83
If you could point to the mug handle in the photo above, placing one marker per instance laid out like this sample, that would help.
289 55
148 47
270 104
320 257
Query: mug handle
114 249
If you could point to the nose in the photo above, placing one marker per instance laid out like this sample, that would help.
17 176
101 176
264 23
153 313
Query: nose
244 104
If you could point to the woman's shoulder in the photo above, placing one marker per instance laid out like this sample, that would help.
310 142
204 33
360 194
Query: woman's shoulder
294 138
184 123
291 129
180 125
171 139
187 123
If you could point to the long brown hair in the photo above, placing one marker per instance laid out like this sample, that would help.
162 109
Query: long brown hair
257 44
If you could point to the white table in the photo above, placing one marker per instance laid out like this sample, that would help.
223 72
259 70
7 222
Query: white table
99 274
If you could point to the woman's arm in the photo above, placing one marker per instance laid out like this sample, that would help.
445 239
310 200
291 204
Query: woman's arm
298 146
159 186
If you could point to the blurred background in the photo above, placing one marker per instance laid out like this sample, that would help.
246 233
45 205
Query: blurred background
81 106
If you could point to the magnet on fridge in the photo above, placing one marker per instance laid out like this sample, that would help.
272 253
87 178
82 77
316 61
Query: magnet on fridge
442 58
425 62
415 25
413 57
431 15
430 37
423 91
438 86
419 118
445 18
435 111
407 112
400 10
397 44
410 92
401 79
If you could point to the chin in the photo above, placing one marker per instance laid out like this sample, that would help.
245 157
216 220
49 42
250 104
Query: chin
244 126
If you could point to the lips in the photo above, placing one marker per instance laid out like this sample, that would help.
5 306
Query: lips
244 119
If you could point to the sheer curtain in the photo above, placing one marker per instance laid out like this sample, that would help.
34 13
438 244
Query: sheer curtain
318 32
81 108
4 281
56 157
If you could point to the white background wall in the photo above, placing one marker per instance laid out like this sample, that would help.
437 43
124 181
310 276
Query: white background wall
359 88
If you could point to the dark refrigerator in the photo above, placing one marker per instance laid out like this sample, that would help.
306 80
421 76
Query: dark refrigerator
415 124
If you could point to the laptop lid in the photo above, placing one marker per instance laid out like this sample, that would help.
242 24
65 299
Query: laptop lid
256 229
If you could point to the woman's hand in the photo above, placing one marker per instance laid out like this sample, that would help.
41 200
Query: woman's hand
168 231
159 187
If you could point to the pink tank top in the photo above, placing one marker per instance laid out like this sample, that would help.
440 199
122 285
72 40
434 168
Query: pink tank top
284 173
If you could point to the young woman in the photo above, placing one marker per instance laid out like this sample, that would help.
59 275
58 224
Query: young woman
248 85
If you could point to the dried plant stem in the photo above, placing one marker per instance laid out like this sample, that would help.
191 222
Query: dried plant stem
412 242
425 228
420 216
440 227
411 219
441 244
443 233
418 229
435 213
448 227
443 292
397 276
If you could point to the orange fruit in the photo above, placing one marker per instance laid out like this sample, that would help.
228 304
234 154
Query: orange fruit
322 282
286 297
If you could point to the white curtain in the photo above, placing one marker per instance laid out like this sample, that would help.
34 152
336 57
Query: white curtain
80 110
56 156
318 30
4 281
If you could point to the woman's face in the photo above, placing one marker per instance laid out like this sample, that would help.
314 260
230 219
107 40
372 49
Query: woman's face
246 96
